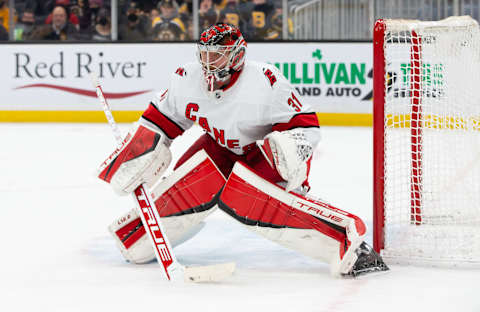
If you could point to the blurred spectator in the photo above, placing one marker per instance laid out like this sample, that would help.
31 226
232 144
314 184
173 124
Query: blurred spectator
146 5
167 31
169 14
41 9
245 8
94 7
77 9
102 30
137 26
259 24
95 4
219 5
3 34
81 10
59 29
87 11
207 14
4 14
141 20
189 32
185 12
72 18
276 31
231 15
186 9
24 28
154 15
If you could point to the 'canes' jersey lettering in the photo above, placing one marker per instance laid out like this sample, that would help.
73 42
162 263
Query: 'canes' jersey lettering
259 102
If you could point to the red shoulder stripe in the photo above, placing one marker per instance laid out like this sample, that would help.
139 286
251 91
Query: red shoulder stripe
171 129
303 120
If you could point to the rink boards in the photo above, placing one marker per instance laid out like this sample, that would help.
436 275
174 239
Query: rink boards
50 82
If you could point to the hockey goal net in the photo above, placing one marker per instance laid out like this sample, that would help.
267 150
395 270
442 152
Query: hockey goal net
427 140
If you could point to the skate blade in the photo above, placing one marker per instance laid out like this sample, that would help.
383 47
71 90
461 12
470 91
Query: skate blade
366 273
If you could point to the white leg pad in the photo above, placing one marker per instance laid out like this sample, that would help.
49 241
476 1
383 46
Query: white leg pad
307 225
178 229
183 199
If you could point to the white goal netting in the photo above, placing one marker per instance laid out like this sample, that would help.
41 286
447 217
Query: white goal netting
432 141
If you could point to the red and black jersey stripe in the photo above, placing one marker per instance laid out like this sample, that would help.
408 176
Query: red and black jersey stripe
167 125
301 120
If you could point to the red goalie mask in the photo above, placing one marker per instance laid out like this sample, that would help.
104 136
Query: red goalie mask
221 51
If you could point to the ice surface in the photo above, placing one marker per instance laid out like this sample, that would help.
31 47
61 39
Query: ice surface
56 254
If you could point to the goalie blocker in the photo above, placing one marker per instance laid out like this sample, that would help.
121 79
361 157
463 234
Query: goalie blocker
143 157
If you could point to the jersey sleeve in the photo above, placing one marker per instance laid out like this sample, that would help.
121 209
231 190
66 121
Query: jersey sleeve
287 110
163 113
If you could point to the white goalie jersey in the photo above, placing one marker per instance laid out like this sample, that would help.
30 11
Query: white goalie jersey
260 101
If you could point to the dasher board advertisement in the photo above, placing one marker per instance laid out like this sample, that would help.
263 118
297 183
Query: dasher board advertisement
331 77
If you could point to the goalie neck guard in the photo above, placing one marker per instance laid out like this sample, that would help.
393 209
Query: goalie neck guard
221 52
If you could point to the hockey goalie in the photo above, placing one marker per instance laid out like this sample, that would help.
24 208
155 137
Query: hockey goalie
252 162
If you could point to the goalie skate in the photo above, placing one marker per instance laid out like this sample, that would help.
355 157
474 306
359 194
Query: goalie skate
368 261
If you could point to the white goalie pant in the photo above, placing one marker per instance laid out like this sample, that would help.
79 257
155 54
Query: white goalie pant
183 199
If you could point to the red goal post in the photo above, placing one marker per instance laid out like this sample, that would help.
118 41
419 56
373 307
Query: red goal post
427 140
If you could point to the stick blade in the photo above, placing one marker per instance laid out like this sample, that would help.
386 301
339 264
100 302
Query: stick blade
209 273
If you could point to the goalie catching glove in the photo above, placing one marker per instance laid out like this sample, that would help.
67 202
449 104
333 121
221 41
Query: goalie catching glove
142 158
288 152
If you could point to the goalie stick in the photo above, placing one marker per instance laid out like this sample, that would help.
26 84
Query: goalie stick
173 270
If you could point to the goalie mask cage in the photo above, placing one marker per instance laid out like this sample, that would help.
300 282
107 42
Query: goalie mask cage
427 141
